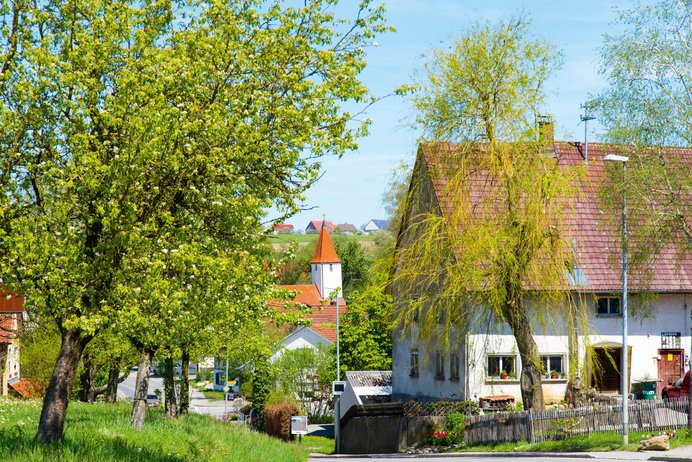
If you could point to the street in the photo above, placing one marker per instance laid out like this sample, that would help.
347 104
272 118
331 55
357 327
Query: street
461 457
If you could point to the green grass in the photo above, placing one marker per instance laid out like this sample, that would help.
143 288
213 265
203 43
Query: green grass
101 432
213 395
595 442
318 444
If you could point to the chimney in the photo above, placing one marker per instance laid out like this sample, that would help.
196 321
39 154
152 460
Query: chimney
546 129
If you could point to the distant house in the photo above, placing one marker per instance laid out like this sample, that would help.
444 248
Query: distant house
11 310
346 228
315 226
284 228
374 226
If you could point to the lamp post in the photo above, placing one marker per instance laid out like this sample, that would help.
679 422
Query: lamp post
624 375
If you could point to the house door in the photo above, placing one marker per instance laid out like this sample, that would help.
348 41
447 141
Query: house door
606 374
669 367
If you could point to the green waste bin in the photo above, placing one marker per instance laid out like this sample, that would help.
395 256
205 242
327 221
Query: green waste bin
649 389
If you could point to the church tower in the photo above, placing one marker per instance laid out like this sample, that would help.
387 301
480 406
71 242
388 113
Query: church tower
326 264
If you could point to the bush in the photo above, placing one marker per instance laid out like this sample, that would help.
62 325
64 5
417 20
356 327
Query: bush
277 420
453 432
204 375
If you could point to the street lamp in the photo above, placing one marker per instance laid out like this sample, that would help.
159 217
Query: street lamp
623 160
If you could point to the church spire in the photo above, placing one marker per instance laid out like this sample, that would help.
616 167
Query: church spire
325 251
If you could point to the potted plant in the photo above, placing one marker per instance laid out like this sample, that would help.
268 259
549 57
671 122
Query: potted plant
504 375
553 374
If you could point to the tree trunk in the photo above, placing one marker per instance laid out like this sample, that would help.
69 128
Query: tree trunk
113 381
530 380
185 384
170 406
52 422
139 402
572 392
87 392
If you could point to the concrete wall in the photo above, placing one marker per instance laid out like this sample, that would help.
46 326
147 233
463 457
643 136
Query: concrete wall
386 434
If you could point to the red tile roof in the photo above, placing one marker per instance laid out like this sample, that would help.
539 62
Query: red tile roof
28 388
323 314
598 240
324 250
317 224
283 226
10 302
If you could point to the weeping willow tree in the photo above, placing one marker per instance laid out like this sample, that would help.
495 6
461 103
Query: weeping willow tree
484 239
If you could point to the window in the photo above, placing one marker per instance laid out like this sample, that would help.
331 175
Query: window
609 306
414 363
331 267
553 363
498 364
453 366
439 366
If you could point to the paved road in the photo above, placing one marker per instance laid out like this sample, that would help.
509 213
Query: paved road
198 403
126 388
674 455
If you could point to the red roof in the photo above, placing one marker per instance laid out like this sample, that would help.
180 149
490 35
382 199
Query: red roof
28 388
595 233
317 224
323 314
10 302
283 226
324 250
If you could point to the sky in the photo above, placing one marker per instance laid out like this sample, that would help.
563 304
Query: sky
351 188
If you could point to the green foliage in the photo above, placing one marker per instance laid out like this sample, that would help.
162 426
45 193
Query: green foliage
365 335
355 264
261 387
470 258
305 375
487 85
648 104
40 343
453 432
102 432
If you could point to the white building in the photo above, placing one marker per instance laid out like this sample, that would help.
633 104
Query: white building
487 362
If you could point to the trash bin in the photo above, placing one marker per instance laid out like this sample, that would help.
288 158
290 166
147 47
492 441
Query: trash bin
649 389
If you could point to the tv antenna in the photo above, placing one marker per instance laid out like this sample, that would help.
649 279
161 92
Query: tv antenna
585 118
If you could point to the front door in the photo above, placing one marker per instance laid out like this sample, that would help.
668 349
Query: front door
669 367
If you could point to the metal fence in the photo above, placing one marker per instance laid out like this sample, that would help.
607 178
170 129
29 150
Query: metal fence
439 408
652 415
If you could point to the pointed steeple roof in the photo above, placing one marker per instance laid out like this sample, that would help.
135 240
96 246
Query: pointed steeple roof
325 251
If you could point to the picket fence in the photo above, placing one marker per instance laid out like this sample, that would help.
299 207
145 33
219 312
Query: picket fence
499 427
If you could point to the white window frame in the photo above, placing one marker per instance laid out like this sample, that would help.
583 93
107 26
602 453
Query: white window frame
502 366
545 361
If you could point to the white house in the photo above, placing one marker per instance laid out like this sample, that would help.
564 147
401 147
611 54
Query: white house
366 387
11 310
375 225
486 362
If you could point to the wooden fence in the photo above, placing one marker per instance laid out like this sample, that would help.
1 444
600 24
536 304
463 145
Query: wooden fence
652 415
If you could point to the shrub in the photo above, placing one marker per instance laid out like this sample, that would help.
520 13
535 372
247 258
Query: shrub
453 432
277 420
204 375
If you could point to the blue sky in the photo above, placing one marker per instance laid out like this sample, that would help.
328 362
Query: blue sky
350 190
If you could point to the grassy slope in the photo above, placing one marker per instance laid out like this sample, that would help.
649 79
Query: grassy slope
101 432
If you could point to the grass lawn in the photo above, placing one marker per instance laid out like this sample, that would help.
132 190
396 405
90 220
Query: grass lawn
594 442
213 395
101 432
318 444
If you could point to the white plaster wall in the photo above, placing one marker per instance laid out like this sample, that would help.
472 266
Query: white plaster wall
327 277
425 386
666 313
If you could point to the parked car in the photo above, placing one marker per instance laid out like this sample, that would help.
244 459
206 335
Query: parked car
679 388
